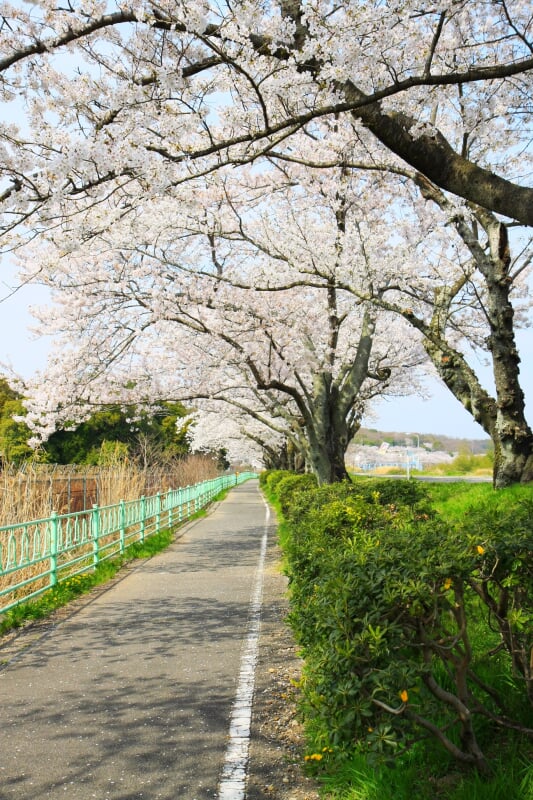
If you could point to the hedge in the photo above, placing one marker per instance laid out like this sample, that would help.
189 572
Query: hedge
410 626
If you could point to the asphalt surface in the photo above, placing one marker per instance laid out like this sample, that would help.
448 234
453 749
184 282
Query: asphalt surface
131 696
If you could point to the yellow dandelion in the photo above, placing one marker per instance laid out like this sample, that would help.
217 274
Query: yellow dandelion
447 584
480 549
404 697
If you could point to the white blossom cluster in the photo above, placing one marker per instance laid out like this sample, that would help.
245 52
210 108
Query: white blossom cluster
267 205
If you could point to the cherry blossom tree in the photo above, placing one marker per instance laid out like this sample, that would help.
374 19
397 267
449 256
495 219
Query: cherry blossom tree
449 269
459 277
317 407
128 108
215 299
124 101
482 290
245 438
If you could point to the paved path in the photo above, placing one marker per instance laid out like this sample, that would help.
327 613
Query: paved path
131 697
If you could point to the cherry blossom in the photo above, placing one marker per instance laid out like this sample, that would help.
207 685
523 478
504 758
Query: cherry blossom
250 175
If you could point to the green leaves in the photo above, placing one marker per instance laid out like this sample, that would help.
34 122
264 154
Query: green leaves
401 615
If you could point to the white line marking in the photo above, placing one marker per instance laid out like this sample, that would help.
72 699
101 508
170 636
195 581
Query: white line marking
233 781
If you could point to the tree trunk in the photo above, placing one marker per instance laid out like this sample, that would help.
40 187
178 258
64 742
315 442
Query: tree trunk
513 439
327 433
503 417
327 457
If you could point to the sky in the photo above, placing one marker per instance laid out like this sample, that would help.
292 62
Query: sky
440 414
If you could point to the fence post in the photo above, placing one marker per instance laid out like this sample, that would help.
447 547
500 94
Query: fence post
158 512
122 526
169 507
95 526
53 548
143 518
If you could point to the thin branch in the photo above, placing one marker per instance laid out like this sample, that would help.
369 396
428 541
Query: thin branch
436 37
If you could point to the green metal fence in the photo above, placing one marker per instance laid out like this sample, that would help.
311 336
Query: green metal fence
36 555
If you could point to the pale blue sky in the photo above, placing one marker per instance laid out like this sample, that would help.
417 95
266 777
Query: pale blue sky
442 414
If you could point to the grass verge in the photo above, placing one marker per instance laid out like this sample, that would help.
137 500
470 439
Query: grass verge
417 776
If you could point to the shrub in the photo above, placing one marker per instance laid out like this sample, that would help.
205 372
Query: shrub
291 485
403 492
270 478
409 627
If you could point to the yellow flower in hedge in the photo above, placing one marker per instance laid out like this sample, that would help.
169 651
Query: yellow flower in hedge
404 697
480 549
447 584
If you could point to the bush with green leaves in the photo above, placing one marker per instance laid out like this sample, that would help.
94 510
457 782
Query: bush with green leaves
290 486
270 478
410 627
402 492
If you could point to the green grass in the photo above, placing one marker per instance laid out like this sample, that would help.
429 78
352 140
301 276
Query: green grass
416 776
455 500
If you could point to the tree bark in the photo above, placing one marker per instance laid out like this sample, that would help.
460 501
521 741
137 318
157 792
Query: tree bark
433 156
330 421
502 417
328 441
513 438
